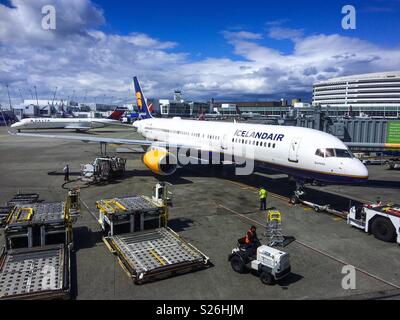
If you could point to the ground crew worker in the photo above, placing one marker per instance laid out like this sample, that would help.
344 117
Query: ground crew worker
251 235
263 198
66 173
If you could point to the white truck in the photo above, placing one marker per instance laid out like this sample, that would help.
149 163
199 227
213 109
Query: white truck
383 221
271 264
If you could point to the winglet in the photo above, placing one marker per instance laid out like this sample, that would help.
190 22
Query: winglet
141 100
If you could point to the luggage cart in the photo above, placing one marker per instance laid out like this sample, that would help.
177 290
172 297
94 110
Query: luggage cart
39 273
4 211
23 198
138 213
33 224
155 254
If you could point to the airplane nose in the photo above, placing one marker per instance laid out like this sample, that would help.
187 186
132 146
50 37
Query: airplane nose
137 126
361 170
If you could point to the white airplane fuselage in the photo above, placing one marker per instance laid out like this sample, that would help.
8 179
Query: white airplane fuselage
63 123
299 152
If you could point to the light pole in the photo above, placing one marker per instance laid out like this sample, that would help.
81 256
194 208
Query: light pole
37 100
9 99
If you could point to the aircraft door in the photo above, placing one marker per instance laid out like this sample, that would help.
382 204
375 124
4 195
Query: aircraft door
224 142
294 150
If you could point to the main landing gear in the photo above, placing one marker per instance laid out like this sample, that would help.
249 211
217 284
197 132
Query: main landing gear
103 148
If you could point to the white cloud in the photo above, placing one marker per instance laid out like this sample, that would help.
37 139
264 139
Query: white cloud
143 40
79 56
241 35
280 33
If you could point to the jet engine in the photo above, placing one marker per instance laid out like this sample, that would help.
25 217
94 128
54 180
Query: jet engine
160 161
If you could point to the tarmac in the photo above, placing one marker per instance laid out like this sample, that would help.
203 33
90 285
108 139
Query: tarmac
212 208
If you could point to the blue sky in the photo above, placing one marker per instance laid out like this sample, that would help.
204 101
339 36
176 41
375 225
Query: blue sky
197 25
227 50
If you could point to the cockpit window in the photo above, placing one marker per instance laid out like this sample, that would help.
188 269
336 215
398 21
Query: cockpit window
339 153
320 153
342 153
329 153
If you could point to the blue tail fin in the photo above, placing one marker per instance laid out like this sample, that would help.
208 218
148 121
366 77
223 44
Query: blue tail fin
140 99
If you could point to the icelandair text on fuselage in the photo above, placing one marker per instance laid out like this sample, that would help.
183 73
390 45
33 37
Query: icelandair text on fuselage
259 135
204 309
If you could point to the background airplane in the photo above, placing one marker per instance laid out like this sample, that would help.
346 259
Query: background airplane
78 124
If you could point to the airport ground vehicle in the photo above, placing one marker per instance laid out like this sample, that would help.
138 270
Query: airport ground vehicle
383 221
393 164
270 264
103 169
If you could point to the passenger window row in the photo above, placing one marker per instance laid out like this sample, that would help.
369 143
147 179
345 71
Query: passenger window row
254 143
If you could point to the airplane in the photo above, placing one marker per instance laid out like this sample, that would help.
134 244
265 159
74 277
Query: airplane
78 124
140 115
304 154
244 115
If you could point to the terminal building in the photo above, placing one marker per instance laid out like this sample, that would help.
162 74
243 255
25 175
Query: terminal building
374 94
178 107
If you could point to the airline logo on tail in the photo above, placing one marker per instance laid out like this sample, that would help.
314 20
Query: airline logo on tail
141 101
117 114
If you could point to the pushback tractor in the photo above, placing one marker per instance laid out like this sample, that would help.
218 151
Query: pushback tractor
383 221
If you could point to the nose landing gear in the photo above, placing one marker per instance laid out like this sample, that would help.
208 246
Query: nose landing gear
295 199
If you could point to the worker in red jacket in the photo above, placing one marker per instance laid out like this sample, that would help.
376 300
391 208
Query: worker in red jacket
251 236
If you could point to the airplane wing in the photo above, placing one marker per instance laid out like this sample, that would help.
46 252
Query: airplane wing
116 141
77 126
116 123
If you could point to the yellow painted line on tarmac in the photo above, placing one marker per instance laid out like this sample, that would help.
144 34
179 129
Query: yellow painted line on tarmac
337 219
243 186
307 209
